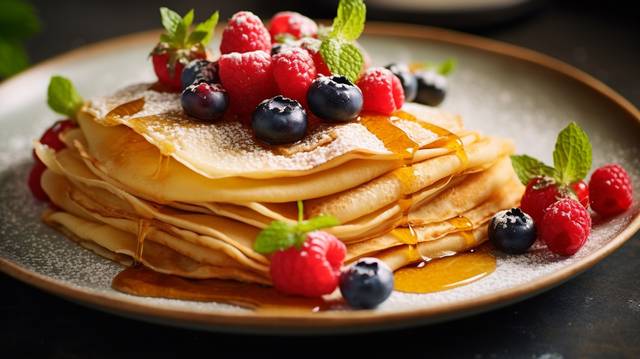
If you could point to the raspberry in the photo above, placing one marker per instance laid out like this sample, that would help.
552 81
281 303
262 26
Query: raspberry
611 190
244 33
565 227
312 270
541 193
248 79
293 23
381 90
293 70
321 66
34 181
51 137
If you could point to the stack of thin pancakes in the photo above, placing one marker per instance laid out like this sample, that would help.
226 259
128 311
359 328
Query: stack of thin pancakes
141 181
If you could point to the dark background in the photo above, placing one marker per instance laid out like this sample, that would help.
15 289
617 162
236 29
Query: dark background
594 315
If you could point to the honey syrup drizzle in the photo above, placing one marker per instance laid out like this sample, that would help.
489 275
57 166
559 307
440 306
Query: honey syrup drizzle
144 226
163 167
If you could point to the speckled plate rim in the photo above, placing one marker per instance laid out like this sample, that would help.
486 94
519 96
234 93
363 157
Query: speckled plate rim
339 321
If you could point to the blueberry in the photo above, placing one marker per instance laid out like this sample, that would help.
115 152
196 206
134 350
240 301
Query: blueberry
205 101
367 283
334 99
432 88
199 71
279 120
408 81
512 231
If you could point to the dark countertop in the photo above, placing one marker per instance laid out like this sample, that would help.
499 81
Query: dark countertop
596 314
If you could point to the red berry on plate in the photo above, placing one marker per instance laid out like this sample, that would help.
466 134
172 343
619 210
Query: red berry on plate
168 64
581 190
611 190
34 181
321 66
51 137
294 70
245 32
565 227
381 90
292 23
311 271
248 79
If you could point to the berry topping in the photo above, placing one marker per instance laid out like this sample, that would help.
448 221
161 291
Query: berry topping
293 24
200 71
204 101
312 270
546 184
432 88
178 46
565 227
51 137
611 190
408 81
248 78
305 261
366 283
334 99
512 231
294 70
279 120
34 181
381 90
245 32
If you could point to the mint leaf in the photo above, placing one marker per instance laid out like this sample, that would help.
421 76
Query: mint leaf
13 58
208 26
62 97
196 37
277 236
342 58
337 49
528 168
349 22
170 20
18 20
315 223
447 67
572 156
187 19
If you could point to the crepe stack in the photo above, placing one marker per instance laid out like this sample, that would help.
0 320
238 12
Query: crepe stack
140 181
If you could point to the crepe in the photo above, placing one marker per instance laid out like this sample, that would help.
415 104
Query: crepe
139 181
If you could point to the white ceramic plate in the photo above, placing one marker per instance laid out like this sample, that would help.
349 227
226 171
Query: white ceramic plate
498 88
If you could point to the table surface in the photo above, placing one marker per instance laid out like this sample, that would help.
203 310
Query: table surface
596 314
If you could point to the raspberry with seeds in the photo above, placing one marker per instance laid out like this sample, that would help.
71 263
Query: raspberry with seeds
381 90
542 192
245 32
611 190
248 79
311 271
565 227
292 23
294 70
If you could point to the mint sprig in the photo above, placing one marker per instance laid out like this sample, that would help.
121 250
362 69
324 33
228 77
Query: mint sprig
62 96
572 159
177 29
338 49
280 235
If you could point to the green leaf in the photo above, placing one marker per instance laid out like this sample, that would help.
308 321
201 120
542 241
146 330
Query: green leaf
18 20
316 223
196 37
342 58
277 236
349 22
187 19
572 156
208 26
13 58
447 67
528 168
62 96
170 20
